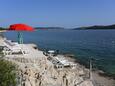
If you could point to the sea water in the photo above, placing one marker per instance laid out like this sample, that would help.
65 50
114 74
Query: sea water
84 44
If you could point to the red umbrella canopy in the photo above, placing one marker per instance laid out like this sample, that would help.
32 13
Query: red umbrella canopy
21 27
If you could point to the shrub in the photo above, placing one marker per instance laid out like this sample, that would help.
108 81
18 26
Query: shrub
7 73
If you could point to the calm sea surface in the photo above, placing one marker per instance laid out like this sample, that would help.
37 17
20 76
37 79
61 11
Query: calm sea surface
99 44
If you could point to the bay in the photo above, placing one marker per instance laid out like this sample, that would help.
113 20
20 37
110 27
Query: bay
99 44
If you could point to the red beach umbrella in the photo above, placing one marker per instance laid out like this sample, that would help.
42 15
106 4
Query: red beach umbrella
19 28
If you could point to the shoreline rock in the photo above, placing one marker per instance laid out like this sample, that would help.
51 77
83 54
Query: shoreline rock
36 70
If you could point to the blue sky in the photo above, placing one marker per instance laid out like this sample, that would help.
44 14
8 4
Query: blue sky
62 13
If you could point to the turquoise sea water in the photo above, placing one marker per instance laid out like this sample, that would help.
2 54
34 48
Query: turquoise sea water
99 44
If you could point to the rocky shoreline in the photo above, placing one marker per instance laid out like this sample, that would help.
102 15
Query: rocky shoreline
34 69
100 76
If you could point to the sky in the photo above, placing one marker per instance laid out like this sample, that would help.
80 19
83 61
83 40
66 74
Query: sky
57 13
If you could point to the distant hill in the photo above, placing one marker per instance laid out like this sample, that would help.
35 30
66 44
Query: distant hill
1 28
42 28
96 27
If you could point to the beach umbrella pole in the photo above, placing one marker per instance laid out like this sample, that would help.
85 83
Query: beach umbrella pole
20 28
20 38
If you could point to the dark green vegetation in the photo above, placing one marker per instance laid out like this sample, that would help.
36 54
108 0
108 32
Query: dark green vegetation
96 27
1 28
7 73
